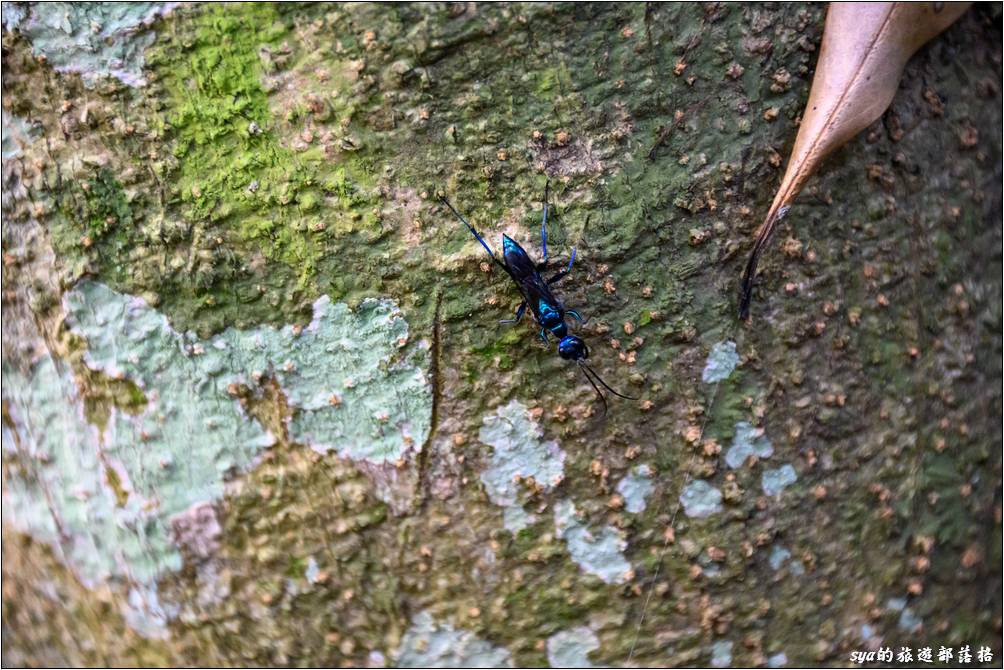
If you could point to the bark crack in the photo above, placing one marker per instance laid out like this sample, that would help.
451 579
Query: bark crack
423 454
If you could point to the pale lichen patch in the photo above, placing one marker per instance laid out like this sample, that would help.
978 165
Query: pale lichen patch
518 456
908 620
636 488
778 557
13 14
598 553
775 481
722 360
385 402
721 654
428 644
94 39
778 660
748 441
570 648
17 134
129 501
701 499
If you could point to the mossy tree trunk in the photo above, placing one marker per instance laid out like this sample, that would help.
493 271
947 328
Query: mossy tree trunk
257 407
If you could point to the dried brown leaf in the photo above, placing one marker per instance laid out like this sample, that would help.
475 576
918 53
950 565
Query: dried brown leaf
865 48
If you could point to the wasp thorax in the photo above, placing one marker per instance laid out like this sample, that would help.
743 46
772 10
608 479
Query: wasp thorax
553 320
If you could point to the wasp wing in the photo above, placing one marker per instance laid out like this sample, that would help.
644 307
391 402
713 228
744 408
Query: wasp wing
527 277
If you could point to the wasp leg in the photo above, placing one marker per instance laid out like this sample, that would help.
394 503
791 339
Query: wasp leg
543 335
475 233
519 314
575 315
558 277
564 273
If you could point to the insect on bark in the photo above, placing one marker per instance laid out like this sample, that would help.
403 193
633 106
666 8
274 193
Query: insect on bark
548 311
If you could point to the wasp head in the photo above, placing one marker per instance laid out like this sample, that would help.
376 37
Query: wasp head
572 348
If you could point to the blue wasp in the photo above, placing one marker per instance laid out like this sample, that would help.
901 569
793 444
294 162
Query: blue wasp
547 310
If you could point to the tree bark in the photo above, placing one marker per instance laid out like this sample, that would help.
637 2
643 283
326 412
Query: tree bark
258 409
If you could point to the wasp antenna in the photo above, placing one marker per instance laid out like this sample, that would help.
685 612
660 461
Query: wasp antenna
474 232
453 209
584 368
607 386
